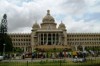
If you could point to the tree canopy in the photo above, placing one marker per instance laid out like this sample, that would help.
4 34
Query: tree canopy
5 39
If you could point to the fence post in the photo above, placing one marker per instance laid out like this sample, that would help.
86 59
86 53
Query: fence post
60 62
27 63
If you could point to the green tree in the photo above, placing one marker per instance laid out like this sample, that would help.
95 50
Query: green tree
5 39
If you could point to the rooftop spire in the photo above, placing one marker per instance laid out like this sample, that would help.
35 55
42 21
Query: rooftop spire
35 21
48 12
61 21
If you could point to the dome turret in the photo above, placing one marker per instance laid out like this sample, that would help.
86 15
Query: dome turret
62 26
48 18
35 26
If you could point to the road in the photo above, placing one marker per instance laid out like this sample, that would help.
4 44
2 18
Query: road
46 59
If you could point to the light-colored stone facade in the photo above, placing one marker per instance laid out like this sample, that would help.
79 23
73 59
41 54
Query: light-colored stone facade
47 36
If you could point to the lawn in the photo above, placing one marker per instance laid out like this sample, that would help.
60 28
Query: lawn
52 63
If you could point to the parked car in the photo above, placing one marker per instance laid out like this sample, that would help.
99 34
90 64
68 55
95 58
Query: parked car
1 58
79 59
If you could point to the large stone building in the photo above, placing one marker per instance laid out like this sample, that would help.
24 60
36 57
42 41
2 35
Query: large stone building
48 36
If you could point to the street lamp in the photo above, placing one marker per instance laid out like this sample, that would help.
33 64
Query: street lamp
4 49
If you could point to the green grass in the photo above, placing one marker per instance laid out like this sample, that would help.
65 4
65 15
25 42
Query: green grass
51 63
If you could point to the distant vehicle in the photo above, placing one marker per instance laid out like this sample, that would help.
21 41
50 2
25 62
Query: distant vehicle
79 60
1 58
28 55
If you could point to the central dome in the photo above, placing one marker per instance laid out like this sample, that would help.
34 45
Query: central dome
48 18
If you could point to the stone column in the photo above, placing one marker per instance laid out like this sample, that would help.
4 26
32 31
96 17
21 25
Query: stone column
51 38
40 38
43 38
24 49
47 39
76 47
61 42
59 39
65 38
83 48
55 38
32 40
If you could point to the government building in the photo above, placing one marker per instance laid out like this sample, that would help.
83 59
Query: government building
48 36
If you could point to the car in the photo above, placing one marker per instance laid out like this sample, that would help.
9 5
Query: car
79 59
75 60
1 58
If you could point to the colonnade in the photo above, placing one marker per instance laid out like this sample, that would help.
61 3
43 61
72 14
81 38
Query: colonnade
49 39
76 47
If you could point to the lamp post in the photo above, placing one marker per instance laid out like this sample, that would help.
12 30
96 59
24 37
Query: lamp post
4 49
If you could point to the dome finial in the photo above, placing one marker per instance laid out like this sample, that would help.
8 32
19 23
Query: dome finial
61 21
48 12
48 18
35 21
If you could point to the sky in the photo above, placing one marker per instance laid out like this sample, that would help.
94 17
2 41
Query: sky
79 16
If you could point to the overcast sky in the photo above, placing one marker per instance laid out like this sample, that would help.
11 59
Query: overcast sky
77 15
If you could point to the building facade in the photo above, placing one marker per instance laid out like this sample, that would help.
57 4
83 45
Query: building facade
48 36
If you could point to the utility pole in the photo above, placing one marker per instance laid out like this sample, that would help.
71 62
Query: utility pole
4 49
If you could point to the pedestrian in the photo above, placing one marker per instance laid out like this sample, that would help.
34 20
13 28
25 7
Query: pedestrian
23 56
33 55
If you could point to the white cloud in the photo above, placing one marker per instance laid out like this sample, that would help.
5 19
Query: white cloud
94 9
90 2
81 26
23 13
22 30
